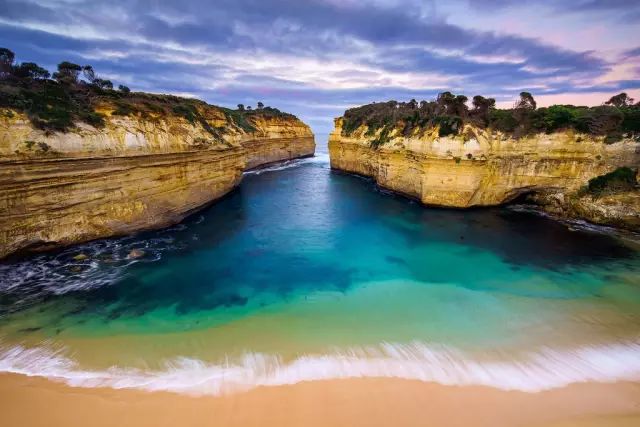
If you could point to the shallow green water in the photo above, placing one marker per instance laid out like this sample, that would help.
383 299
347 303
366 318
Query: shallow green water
304 273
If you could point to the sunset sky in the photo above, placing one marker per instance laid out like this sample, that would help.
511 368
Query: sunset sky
315 58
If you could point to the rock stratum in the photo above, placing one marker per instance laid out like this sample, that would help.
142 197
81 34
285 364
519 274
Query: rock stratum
135 172
482 167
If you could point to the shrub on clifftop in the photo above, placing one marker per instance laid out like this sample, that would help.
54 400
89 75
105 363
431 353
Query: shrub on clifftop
449 113
75 91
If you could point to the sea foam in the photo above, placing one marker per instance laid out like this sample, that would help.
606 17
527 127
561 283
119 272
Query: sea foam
318 158
539 370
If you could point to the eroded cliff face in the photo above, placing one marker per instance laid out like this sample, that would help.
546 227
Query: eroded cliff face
478 167
278 140
134 174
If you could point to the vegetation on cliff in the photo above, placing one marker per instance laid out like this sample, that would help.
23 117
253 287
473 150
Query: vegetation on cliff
621 179
449 112
74 93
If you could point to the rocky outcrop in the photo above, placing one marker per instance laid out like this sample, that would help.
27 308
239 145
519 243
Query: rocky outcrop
478 167
134 174
620 210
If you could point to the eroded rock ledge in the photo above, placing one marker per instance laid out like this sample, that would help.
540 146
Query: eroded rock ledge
135 173
479 167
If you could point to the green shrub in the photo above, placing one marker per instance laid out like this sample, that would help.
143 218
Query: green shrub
38 145
621 179
602 120
43 146
239 117
123 109
502 120
631 120
448 125
92 118
450 113
382 138
557 117
613 137
187 111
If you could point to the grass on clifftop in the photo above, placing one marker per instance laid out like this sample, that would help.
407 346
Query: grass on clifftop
55 102
449 113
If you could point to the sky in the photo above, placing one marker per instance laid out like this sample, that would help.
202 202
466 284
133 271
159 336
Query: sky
316 58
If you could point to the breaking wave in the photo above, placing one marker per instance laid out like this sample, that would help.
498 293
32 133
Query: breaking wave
83 267
319 158
535 371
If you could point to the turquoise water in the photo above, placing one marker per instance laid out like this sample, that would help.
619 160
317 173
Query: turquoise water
304 273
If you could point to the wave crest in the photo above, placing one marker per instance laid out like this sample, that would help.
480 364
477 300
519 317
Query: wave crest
536 371
318 158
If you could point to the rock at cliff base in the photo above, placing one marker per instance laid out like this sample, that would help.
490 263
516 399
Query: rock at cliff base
136 253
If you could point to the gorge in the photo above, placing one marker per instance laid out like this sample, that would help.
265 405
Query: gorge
321 213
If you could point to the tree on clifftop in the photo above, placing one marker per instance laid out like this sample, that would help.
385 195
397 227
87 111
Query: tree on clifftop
482 104
260 105
524 110
445 101
620 100
30 70
6 61
88 73
103 84
481 108
68 72
460 105
526 102
452 105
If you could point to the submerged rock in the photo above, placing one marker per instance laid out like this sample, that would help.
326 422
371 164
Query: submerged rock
136 253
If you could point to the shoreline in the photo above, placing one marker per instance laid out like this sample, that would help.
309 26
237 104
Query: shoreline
35 401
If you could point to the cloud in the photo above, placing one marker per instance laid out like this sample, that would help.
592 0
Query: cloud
303 56
631 53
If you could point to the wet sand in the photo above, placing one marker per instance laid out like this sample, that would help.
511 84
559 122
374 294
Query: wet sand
30 401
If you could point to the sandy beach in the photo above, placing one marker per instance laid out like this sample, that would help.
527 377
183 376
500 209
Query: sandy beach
30 401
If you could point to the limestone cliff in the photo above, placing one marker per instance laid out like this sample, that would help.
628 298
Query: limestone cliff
479 167
272 141
135 173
